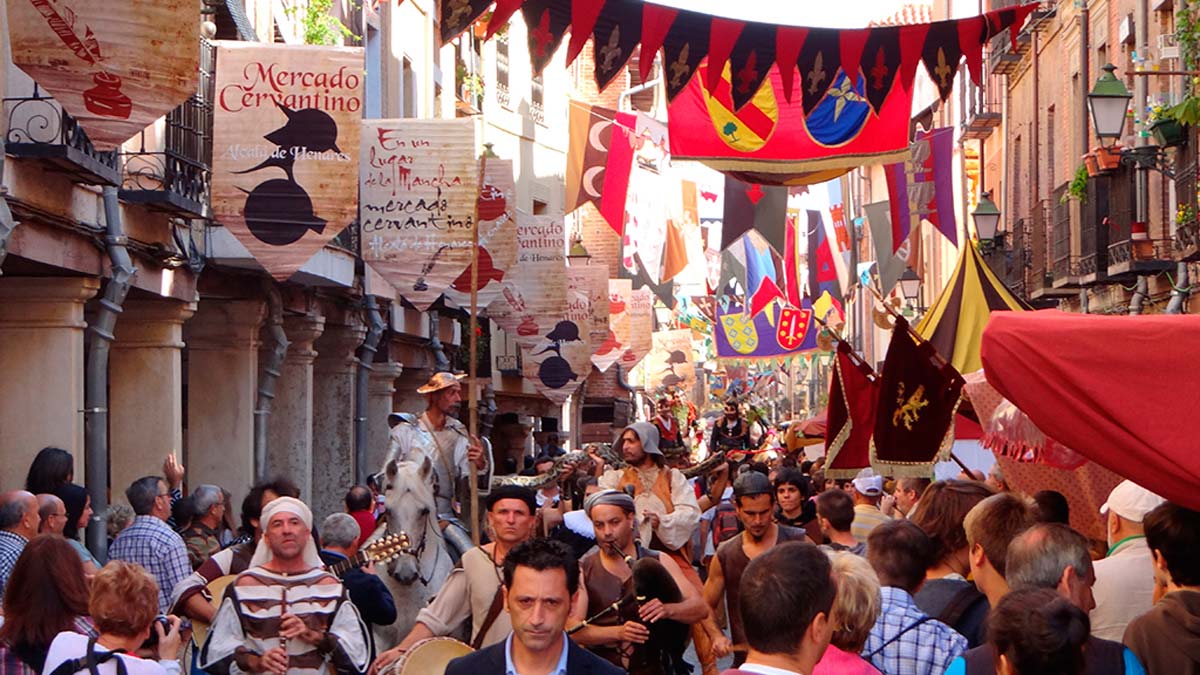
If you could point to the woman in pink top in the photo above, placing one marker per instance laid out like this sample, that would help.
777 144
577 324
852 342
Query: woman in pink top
854 612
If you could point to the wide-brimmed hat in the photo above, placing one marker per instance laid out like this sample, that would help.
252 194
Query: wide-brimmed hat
440 381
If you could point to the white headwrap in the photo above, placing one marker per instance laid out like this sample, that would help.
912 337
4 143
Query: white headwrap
262 553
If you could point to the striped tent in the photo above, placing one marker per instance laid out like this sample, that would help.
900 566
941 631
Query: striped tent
955 322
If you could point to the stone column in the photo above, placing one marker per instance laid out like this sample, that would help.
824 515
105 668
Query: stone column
381 389
289 430
222 374
41 363
145 389
333 416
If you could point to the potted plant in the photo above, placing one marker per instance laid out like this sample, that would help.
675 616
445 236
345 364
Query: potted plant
1077 188
1107 159
1090 164
1167 122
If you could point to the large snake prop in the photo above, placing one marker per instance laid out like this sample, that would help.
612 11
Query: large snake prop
542 480
614 459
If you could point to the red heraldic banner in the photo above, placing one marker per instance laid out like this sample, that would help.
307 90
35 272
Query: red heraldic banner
419 185
853 394
772 141
114 66
286 131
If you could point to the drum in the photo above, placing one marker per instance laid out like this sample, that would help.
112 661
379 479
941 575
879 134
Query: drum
428 657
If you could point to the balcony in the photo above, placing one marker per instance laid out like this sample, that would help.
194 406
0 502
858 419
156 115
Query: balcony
982 113
1009 255
1064 268
171 168
1187 228
1002 58
38 128
1107 195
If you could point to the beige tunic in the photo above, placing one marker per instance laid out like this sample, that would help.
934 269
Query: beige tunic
468 593
676 524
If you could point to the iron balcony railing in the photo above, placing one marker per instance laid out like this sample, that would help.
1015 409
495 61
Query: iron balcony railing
39 128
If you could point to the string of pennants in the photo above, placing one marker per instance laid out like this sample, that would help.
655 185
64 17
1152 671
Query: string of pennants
882 54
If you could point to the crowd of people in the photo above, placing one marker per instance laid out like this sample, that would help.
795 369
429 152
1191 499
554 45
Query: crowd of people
620 562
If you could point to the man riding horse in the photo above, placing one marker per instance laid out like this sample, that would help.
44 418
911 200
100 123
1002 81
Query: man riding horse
438 435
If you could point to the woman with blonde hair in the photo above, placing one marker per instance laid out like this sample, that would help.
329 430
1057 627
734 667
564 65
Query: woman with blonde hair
123 604
855 609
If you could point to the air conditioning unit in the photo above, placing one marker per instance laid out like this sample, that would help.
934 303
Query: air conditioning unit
1168 46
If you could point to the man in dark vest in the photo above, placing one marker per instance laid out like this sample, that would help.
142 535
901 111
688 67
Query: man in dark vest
1053 556
754 501
788 624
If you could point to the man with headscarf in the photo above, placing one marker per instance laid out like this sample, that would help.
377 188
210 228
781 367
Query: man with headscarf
620 636
731 433
438 435
285 611
667 511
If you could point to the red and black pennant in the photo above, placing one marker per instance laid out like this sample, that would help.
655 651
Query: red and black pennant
880 64
751 59
819 61
941 55
457 15
684 47
548 21
617 33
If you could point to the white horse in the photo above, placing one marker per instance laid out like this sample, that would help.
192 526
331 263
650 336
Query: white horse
413 578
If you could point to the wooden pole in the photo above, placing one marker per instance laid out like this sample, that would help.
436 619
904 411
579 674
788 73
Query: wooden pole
473 329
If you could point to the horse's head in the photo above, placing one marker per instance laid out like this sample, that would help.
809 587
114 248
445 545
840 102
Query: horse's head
408 493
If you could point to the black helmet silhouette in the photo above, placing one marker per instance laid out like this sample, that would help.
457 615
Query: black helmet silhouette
279 211
307 128
564 331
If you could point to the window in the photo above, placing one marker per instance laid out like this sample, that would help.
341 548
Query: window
1051 169
408 89
502 96
540 207
537 100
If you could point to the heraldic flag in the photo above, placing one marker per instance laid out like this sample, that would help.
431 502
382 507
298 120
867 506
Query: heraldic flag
914 419
853 394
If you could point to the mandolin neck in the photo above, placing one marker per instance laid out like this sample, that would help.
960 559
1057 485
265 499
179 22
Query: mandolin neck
339 568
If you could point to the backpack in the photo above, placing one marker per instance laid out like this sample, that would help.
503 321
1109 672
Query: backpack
725 523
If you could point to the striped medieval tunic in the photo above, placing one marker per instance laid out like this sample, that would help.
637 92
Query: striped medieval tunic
248 620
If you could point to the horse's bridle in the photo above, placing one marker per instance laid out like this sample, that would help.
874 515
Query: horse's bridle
419 551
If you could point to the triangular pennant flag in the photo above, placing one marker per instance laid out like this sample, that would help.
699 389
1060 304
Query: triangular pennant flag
767 293
880 64
616 35
912 39
891 262
457 15
971 34
684 48
723 36
941 55
548 22
819 61
754 206
914 422
1012 18
788 41
850 416
617 170
656 21
583 19
853 43
791 261
501 13
750 61
675 258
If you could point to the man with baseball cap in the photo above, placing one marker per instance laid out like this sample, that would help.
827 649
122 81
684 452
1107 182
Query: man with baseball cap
754 500
868 489
438 435
1124 586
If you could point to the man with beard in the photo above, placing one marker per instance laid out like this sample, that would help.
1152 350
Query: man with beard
286 612
730 433
620 636
472 591
438 435
754 500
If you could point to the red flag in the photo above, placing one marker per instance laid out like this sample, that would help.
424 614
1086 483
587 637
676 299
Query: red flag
767 292
617 170
850 417
791 263
589 135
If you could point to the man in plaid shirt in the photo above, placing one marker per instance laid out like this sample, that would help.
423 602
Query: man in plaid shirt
149 541
904 641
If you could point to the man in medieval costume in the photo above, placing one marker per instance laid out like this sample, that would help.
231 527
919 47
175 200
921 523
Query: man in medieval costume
286 612
438 435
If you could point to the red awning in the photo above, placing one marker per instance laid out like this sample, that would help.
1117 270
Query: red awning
1123 391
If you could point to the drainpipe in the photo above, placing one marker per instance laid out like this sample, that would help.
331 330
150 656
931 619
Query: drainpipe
366 357
441 361
1141 29
1179 289
7 225
1083 301
1085 120
1139 295
268 377
95 393
628 93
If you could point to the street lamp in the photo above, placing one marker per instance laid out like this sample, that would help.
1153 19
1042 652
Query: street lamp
578 253
986 217
910 286
1108 103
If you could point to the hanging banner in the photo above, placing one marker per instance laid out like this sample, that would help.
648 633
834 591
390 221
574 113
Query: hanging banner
286 130
922 187
420 180
115 67
670 363
779 332
590 283
534 294
616 341
497 237
641 325
561 359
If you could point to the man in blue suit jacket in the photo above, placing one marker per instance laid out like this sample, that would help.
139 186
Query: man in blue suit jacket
541 577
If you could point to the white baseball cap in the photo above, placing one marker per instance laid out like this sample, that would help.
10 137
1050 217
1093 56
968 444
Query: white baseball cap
867 483
1131 501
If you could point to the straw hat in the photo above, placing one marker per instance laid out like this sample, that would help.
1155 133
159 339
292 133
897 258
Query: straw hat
440 381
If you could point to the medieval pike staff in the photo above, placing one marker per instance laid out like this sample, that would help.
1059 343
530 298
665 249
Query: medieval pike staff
472 328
